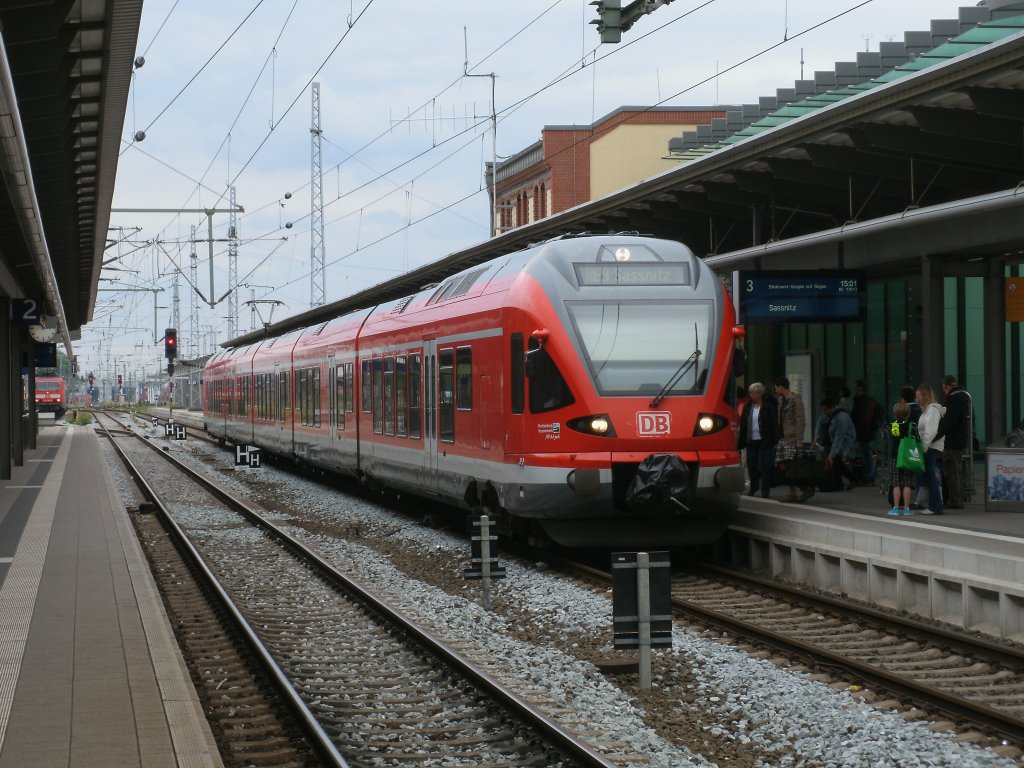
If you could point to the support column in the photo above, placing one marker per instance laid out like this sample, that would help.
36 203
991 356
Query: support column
7 364
17 424
932 349
995 349
32 425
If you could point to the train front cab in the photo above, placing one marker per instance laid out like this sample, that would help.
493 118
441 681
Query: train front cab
601 390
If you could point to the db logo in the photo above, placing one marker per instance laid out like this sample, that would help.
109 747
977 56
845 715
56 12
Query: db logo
653 423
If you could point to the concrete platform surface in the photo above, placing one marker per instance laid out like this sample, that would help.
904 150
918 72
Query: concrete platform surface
90 673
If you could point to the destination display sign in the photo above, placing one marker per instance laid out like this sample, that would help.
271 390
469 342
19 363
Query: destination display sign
635 273
804 296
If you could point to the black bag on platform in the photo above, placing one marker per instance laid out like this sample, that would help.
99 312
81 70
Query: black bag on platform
803 469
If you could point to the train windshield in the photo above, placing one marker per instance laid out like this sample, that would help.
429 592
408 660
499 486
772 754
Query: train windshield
634 348
47 386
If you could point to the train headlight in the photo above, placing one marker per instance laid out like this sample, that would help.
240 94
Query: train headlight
709 423
597 424
622 254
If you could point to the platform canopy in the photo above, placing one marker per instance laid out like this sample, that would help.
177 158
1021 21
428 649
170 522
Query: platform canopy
64 79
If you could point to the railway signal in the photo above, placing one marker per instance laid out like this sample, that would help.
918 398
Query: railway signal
609 23
614 19
171 343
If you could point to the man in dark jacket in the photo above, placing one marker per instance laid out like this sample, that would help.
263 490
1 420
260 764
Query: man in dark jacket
956 428
867 417
759 432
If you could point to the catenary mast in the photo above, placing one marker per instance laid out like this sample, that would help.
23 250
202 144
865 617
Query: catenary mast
318 288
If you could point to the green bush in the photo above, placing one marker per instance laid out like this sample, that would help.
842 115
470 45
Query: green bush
84 418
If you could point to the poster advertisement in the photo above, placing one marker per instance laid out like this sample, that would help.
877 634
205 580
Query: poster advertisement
1005 476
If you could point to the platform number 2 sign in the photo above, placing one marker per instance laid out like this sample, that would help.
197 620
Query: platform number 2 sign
25 311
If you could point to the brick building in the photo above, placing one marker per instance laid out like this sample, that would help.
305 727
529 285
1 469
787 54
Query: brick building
572 164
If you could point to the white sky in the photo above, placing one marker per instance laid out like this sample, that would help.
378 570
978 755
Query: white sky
404 136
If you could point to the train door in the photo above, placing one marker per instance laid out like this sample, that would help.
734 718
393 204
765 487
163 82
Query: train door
430 400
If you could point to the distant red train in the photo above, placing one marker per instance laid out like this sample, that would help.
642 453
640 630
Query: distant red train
51 396
578 389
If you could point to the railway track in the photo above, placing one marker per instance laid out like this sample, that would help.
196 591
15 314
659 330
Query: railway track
370 687
971 681
958 682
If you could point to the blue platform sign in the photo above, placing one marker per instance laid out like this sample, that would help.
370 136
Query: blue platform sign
802 296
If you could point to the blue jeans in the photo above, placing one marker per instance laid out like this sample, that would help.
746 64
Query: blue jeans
933 479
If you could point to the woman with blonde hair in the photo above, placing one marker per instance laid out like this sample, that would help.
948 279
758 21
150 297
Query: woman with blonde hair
928 428
759 432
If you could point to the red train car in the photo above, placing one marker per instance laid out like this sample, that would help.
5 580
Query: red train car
579 389
51 396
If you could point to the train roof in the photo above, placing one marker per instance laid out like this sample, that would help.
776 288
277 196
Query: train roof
397 290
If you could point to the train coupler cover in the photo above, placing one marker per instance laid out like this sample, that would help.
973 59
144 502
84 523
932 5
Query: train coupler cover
660 486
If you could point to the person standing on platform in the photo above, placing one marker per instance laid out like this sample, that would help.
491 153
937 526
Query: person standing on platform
955 428
908 395
759 434
844 399
792 422
841 435
867 415
902 479
928 431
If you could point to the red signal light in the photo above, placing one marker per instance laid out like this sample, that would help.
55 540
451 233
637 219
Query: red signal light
171 343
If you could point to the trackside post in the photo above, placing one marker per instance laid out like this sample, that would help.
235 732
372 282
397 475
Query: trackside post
641 605
482 565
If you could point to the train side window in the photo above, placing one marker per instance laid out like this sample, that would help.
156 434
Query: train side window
401 396
332 395
415 402
340 395
367 401
446 395
316 396
389 395
548 390
285 395
300 394
350 383
378 396
517 373
464 378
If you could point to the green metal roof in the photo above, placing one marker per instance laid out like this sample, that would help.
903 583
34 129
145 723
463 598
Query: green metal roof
973 39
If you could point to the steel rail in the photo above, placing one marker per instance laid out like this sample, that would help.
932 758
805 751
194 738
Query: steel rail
318 738
558 737
1003 723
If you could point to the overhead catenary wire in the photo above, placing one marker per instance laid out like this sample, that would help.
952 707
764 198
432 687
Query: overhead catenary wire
507 111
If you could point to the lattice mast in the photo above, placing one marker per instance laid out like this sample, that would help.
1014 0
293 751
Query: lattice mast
193 274
232 266
317 280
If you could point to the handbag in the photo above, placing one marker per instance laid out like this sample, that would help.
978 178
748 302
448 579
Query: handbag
910 455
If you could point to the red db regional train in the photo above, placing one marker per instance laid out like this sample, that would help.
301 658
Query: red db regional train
576 389
51 396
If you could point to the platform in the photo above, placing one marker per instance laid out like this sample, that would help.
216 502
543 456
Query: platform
90 673
964 567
